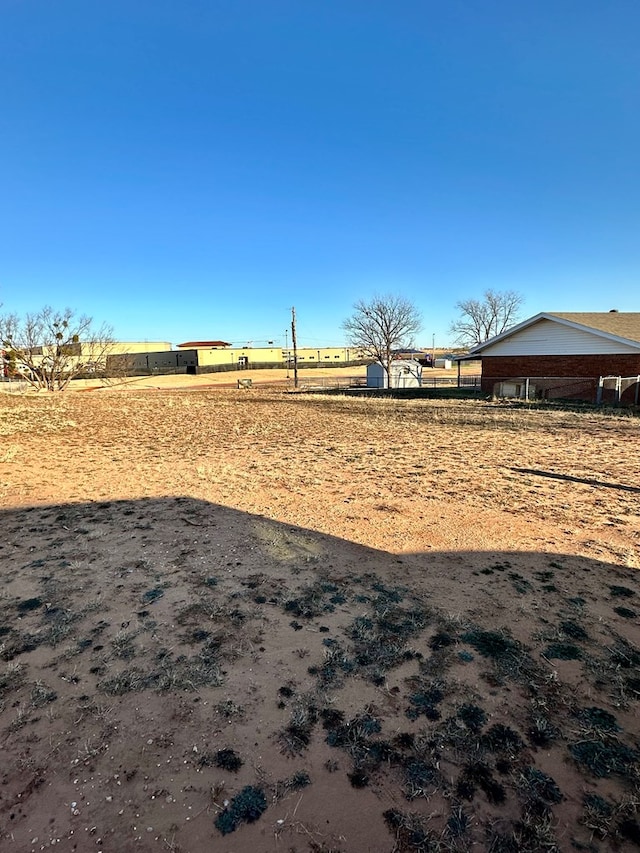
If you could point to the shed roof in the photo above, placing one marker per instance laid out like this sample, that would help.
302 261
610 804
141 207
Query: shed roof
396 362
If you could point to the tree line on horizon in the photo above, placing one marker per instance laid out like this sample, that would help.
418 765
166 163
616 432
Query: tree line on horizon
385 324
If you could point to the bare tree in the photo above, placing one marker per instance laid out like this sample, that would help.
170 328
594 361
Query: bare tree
482 319
380 327
50 348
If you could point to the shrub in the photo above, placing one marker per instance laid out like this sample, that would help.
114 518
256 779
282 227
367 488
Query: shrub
598 718
472 716
562 651
228 759
245 807
603 758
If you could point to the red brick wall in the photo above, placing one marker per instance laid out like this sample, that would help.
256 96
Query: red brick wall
502 368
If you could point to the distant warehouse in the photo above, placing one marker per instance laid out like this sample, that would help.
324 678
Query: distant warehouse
160 361
211 356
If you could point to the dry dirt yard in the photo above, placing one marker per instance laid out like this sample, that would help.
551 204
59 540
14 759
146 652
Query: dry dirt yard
261 621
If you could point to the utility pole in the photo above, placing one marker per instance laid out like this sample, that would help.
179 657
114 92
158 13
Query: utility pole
295 347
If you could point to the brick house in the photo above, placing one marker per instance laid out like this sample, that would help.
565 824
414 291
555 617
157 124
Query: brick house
563 355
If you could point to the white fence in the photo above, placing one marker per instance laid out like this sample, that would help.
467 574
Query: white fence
618 389
607 390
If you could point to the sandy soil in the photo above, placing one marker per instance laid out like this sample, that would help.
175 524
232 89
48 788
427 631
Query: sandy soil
262 621
226 379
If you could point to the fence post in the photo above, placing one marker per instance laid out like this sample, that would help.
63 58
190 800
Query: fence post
599 392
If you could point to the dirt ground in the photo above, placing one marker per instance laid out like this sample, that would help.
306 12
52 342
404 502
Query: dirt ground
253 620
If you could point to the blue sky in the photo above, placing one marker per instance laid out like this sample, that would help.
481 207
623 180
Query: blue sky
192 169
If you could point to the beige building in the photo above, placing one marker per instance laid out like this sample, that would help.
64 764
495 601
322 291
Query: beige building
86 350
212 356
91 357
123 347
218 353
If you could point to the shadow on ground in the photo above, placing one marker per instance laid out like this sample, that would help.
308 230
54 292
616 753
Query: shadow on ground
180 676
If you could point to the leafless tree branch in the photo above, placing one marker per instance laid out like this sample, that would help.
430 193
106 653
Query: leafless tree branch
382 325
49 348
480 320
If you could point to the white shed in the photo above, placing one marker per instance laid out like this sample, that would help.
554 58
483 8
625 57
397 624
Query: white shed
405 373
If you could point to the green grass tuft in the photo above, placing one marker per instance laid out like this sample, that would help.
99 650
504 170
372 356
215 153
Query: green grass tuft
604 758
501 738
621 591
472 716
228 759
492 644
573 630
539 786
245 807
625 612
598 719
28 604
562 651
